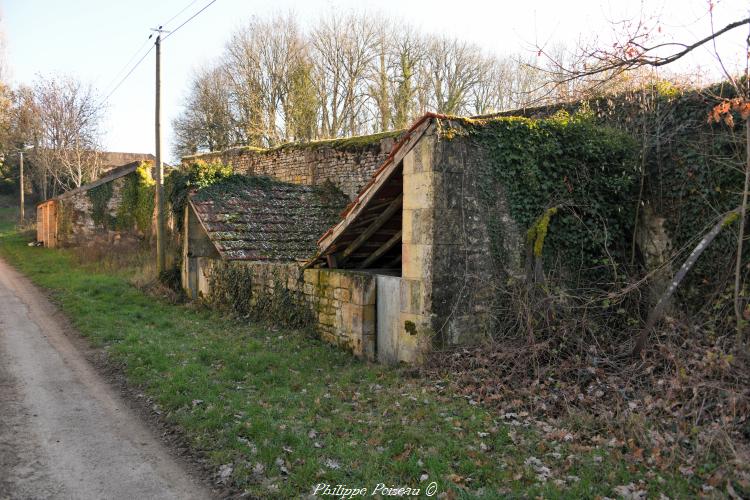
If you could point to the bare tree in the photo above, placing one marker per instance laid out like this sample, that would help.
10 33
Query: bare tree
207 122
407 56
455 67
66 147
350 74
342 51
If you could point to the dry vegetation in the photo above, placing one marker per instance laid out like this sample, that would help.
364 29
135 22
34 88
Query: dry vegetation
684 403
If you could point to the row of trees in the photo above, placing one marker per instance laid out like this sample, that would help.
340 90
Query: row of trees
56 122
347 75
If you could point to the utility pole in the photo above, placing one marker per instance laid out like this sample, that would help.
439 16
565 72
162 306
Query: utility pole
160 226
20 180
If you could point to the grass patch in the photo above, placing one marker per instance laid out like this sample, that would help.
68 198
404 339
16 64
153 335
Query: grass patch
289 412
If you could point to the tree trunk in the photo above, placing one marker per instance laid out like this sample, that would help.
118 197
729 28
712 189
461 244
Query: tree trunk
658 310
738 265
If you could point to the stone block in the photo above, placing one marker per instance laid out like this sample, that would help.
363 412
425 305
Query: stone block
417 225
419 159
369 314
416 261
362 291
342 294
413 296
419 190
327 319
414 338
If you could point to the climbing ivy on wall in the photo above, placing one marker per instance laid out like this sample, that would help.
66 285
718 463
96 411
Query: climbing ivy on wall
136 207
692 173
99 197
231 289
196 175
585 173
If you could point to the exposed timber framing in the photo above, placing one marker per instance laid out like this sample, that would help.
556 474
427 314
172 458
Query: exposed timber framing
372 228
327 242
380 251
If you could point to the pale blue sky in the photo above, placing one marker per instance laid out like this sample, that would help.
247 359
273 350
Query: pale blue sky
93 39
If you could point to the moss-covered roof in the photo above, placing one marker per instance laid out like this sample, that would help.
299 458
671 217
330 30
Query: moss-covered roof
354 143
256 218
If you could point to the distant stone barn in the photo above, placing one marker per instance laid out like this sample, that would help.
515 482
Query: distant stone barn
119 205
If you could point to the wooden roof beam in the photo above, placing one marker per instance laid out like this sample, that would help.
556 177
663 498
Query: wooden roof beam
376 224
380 251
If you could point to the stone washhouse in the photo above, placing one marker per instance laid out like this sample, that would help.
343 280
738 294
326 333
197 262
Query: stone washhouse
411 261
68 220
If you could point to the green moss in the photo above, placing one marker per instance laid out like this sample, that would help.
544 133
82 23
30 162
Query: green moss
536 233
354 143
410 327
731 219
65 218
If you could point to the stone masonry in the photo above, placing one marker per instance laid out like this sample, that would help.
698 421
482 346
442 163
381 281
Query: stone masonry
342 302
349 166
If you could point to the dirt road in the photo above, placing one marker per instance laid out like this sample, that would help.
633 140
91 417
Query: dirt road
64 432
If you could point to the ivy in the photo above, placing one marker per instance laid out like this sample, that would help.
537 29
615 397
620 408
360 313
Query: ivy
231 289
588 171
693 172
197 174
100 197
136 207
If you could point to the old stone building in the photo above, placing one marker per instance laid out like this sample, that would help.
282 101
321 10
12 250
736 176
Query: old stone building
439 227
118 205
246 240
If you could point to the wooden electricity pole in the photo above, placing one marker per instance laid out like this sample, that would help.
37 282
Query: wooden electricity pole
160 227
21 187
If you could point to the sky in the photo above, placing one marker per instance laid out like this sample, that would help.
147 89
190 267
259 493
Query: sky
92 40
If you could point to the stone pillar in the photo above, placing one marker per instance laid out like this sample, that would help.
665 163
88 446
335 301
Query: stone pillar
417 250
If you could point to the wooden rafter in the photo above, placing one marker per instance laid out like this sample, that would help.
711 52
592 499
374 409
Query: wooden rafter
381 177
380 251
373 227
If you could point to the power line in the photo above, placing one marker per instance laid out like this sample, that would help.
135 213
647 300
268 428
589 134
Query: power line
128 74
132 58
189 19
127 64
152 46
178 14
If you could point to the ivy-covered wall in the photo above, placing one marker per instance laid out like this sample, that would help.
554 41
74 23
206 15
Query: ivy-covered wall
691 172
490 201
120 208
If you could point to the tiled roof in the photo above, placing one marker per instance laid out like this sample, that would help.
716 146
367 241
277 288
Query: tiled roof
256 218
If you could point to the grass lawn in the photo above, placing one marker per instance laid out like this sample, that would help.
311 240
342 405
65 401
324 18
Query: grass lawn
286 411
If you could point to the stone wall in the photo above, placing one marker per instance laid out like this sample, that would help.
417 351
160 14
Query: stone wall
347 163
467 272
75 225
449 278
342 303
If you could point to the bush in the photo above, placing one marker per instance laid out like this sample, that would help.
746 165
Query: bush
196 175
